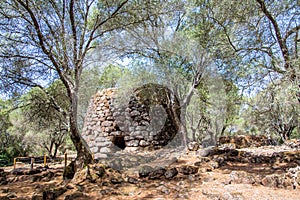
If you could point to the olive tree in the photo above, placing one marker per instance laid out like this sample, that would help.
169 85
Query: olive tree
45 40
274 111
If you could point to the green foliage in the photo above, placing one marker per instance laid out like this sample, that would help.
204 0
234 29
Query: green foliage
112 75
275 111
10 145
38 122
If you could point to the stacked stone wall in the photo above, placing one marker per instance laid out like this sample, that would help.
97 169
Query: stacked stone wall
144 121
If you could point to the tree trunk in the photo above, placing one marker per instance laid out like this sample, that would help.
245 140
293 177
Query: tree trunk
84 155
55 149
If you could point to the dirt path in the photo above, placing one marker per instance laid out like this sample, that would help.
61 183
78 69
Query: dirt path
232 180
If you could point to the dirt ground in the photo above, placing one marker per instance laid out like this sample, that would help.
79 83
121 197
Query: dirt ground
208 182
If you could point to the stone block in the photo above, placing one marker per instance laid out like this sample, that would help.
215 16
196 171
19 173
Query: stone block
101 139
144 143
109 129
105 150
134 113
102 119
116 133
110 118
128 137
103 144
95 149
106 123
139 137
140 128
132 143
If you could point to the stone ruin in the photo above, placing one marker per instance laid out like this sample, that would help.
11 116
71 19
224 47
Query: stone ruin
143 119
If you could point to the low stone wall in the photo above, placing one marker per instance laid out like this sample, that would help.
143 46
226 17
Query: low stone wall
142 119
244 141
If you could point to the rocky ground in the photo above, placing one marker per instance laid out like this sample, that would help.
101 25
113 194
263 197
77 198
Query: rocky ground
267 172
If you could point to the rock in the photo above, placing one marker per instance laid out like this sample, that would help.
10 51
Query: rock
117 180
214 164
187 170
193 146
135 113
232 152
171 173
69 171
298 178
132 143
37 197
144 143
205 152
107 123
272 181
11 195
18 172
76 195
132 180
4 190
53 193
164 189
157 173
33 171
116 164
144 171
241 177
100 156
49 175
105 150
36 178
202 160
99 170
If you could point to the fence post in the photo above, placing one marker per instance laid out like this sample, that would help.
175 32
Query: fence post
31 163
66 159
15 163
45 160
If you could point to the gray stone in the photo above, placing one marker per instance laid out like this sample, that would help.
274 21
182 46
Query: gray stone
144 143
193 146
205 152
157 173
109 129
100 155
141 128
132 149
171 173
107 123
132 180
135 113
187 170
95 149
128 138
105 150
117 180
104 144
100 139
144 171
132 143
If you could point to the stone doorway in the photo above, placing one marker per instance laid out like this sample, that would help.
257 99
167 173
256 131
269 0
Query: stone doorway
119 142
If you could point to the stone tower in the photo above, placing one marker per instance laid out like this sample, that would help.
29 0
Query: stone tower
142 119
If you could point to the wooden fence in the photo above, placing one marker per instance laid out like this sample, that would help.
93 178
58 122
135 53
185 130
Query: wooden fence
39 160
